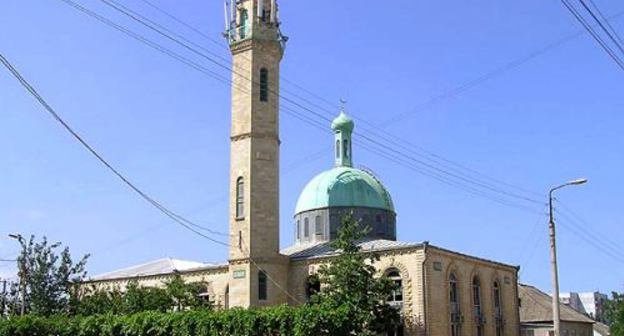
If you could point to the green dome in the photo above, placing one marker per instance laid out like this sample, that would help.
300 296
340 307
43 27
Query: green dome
343 123
344 187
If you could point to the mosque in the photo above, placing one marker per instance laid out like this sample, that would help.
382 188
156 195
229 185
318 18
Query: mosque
440 292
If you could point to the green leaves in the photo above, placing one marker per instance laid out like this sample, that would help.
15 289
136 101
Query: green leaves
47 275
615 314
277 321
349 285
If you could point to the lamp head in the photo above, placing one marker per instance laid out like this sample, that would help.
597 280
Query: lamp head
579 181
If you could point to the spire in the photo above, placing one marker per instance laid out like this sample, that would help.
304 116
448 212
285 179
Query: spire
343 128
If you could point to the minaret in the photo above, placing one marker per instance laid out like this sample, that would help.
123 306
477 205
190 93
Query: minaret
343 128
257 270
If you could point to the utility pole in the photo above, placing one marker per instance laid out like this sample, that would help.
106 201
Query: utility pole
4 289
22 273
553 255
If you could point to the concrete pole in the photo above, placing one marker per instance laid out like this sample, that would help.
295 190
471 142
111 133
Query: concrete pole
554 270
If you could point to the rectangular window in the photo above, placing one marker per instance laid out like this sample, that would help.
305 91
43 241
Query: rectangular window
262 286
240 198
264 85
298 230
318 228
306 228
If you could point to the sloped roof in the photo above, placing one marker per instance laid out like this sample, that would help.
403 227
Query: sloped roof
156 267
602 329
537 307
324 249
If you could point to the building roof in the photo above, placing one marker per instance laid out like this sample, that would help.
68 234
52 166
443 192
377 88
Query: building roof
537 307
324 249
344 187
156 267
602 329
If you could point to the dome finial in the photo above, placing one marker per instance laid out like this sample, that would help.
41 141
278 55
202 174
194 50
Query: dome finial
343 127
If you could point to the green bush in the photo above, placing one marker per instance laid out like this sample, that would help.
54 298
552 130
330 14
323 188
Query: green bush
274 321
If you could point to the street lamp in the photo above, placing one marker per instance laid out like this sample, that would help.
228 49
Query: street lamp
553 254
22 272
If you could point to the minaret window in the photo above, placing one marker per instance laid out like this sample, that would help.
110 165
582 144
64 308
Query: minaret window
306 228
337 149
262 286
240 198
264 85
345 145
244 17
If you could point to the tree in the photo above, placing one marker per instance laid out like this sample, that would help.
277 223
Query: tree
46 275
614 314
350 282
176 295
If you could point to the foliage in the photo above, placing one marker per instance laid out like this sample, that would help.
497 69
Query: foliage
282 320
46 276
176 295
614 314
349 283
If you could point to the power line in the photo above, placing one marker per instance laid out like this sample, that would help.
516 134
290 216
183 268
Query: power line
175 217
593 33
587 226
418 161
593 15
606 21
225 47
172 215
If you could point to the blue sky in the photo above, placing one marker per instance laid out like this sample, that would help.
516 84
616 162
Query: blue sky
555 117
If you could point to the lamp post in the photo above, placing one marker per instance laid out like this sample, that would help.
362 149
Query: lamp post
553 254
22 273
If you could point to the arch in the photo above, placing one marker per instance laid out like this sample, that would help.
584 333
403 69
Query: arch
240 198
345 148
298 230
497 303
396 297
318 227
477 304
264 85
454 295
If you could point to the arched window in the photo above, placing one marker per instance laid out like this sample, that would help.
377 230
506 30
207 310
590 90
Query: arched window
262 286
337 149
396 297
455 309
240 198
498 310
264 85
345 148
318 228
298 230
306 228
476 301
244 17
313 286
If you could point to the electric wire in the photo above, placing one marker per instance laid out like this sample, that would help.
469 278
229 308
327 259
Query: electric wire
593 33
172 215
585 224
244 77
605 29
225 47
607 22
